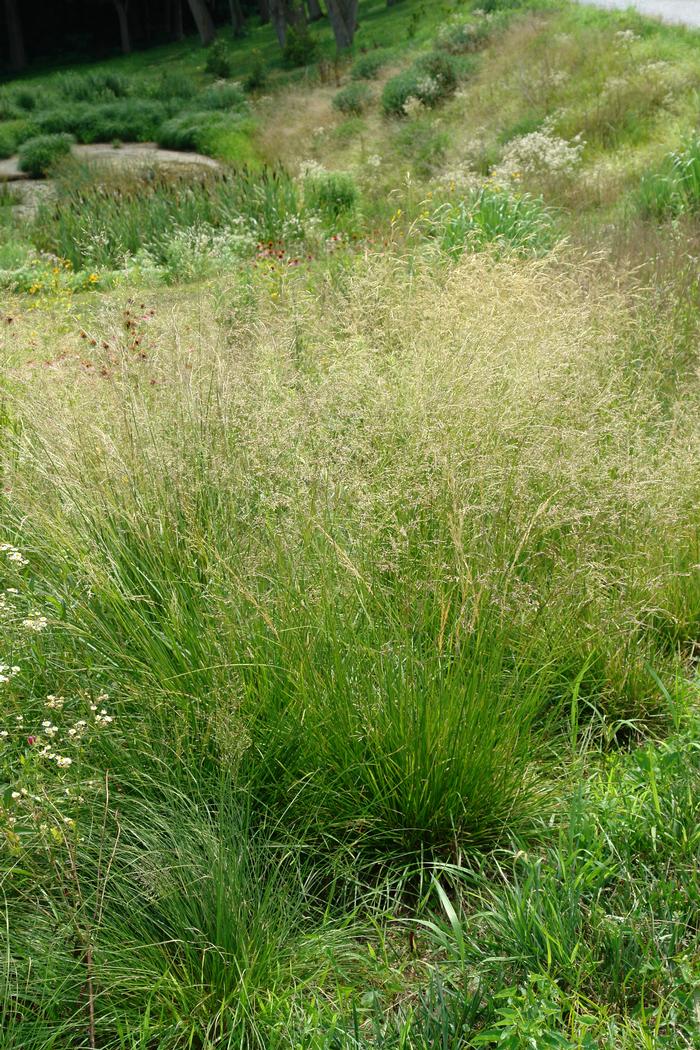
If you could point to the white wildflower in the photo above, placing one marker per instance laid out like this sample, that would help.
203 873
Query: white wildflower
63 761
539 153
35 623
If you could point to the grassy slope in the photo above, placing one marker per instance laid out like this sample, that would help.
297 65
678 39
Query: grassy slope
385 569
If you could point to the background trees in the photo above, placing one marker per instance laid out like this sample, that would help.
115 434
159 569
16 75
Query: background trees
38 29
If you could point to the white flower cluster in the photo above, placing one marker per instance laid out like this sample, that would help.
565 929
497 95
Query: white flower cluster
627 36
310 168
539 153
35 623
12 554
7 672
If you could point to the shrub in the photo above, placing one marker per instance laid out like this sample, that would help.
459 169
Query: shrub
92 87
38 155
464 37
353 99
223 96
131 120
9 110
171 84
330 192
367 66
431 79
26 99
397 92
219 62
257 77
188 130
442 69
11 134
300 49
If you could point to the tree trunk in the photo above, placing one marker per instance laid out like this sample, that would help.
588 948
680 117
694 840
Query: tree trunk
237 17
177 30
203 21
123 16
285 13
315 12
264 9
18 54
343 16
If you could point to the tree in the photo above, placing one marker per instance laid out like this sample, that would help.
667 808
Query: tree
18 54
175 27
343 16
122 8
264 9
203 20
315 12
286 13
237 17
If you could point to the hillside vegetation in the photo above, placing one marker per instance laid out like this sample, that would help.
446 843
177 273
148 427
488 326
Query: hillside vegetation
349 550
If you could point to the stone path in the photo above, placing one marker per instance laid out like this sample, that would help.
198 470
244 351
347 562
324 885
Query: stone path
130 153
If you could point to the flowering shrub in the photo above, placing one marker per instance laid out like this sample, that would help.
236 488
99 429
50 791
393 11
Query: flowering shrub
540 153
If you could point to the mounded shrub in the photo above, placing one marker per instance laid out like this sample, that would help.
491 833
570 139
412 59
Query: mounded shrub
442 68
301 48
170 85
219 61
93 87
223 96
38 155
257 77
464 37
397 92
12 133
189 131
130 120
368 66
353 99
432 78
26 99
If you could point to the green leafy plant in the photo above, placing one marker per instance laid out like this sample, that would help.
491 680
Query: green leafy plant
257 77
131 120
219 61
676 188
39 155
300 48
223 96
497 218
331 193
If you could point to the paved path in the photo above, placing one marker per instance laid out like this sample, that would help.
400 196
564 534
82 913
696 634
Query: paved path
132 152
686 11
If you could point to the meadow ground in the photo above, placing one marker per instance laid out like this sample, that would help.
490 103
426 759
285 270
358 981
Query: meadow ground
350 611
